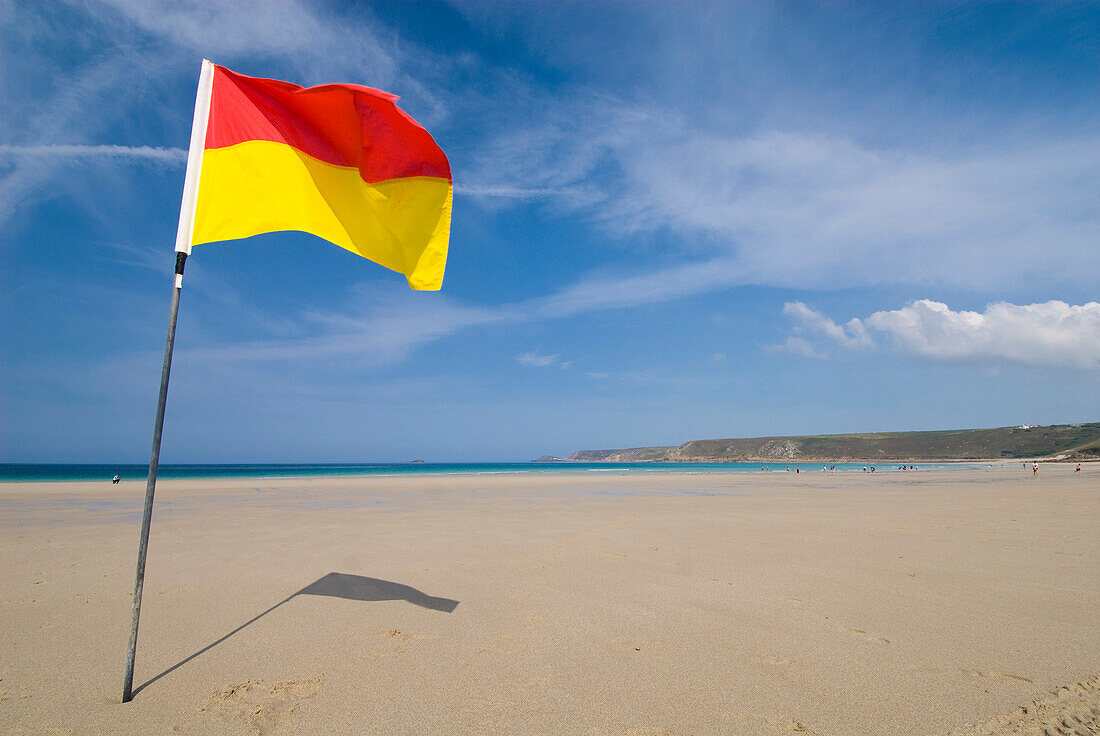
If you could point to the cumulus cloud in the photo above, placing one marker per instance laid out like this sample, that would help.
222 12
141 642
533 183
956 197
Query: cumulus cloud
1050 333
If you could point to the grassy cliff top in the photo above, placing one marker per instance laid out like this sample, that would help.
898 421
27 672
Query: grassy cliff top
1069 441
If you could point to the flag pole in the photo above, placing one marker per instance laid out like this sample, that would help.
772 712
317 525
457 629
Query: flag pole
151 484
183 249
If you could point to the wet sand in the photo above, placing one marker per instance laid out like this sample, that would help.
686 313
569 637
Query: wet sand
597 603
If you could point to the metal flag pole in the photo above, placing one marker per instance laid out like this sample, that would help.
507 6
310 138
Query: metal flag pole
183 249
151 484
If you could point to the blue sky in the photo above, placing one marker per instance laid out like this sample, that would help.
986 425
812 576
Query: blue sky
672 221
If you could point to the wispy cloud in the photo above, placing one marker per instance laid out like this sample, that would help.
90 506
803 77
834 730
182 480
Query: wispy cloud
510 191
1050 333
145 44
535 359
140 153
852 335
376 329
807 210
603 291
796 346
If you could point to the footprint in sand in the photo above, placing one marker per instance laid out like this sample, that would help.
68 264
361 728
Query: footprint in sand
869 637
1073 710
1004 675
262 708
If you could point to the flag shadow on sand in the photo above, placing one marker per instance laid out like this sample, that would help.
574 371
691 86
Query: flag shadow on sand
334 585
359 588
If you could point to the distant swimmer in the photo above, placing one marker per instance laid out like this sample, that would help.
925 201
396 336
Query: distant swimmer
117 478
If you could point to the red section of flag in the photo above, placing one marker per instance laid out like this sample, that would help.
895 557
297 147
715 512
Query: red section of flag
341 124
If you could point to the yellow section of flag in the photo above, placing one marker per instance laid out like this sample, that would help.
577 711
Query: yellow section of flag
261 186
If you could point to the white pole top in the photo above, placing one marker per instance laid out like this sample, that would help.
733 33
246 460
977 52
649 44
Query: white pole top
194 159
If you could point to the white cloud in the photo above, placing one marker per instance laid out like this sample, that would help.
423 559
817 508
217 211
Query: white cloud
152 153
802 209
613 292
509 191
143 44
375 328
1050 333
852 335
536 360
797 346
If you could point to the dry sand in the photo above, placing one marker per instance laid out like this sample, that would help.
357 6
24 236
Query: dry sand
962 602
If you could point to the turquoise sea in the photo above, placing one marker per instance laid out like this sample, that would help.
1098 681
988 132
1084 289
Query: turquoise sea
12 472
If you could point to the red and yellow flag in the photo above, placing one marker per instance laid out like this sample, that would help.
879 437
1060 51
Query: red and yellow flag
340 161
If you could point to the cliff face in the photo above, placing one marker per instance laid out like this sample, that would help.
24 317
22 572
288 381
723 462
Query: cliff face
1063 441
630 455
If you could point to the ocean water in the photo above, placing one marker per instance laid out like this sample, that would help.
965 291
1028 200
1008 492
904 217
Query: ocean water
13 472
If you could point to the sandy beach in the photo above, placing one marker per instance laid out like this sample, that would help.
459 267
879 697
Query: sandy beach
948 602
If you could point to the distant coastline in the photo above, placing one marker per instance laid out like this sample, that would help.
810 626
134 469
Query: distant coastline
1064 442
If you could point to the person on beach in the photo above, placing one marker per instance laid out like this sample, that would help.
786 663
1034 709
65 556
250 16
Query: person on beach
1078 468
1035 468
116 479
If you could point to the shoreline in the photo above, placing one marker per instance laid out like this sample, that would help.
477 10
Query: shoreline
515 469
